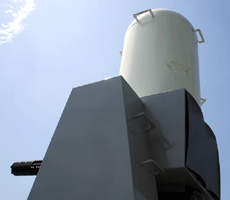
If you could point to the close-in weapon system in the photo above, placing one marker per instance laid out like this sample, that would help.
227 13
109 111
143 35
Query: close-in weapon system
140 135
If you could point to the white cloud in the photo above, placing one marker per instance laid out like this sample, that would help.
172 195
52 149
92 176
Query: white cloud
11 6
8 11
14 14
9 30
4 25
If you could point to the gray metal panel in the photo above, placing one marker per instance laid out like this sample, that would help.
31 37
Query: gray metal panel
167 111
88 156
139 145
182 136
202 153
213 165
139 196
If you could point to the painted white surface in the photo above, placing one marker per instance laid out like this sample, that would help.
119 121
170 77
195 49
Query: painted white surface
160 54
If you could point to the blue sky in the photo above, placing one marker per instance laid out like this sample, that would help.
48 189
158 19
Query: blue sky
48 47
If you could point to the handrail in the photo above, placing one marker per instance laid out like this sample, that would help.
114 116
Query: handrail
149 10
198 30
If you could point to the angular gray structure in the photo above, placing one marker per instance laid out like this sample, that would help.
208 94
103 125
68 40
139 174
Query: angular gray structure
202 153
111 144
97 147
183 145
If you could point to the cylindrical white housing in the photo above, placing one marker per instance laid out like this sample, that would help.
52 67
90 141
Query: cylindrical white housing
160 54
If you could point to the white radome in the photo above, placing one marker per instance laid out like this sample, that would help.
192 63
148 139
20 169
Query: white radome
160 54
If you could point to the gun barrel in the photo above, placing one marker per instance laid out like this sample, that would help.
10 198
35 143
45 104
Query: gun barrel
26 168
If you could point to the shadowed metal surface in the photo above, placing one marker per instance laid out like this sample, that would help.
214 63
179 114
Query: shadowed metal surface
182 144
202 154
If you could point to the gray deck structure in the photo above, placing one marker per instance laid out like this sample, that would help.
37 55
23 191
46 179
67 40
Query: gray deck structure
111 144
